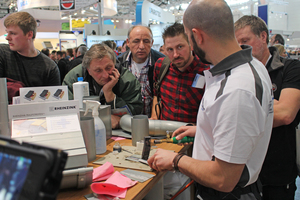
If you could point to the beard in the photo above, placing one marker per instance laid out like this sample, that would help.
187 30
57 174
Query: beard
198 51
183 64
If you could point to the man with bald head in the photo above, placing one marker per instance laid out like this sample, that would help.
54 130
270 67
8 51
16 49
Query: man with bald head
140 60
235 116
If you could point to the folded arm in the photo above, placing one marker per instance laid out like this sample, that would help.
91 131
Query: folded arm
287 107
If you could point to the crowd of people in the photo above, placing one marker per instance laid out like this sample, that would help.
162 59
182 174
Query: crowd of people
233 83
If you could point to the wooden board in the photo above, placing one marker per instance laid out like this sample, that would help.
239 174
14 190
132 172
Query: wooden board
118 160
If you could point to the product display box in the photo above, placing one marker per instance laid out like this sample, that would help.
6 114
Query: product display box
53 124
43 94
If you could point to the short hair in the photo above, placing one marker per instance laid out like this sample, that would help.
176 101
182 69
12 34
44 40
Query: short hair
133 27
280 48
76 49
46 51
82 49
98 51
119 48
109 43
24 20
59 53
279 39
114 45
70 52
256 24
214 17
125 43
53 52
174 30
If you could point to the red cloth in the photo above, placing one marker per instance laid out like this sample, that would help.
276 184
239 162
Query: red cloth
13 87
180 101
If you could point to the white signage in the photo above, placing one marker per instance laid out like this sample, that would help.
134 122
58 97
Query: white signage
151 11
27 4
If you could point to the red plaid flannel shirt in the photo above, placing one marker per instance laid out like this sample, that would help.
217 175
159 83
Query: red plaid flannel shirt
180 101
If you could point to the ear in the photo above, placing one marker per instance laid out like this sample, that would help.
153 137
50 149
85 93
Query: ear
127 41
198 35
152 42
29 34
263 36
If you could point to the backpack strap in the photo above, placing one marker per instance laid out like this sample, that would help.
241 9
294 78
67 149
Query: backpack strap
162 72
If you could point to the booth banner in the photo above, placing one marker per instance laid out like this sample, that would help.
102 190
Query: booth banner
71 5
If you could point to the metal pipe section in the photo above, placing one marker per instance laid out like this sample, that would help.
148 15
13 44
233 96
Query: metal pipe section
156 127
4 121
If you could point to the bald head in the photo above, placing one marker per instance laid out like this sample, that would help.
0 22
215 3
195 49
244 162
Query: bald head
214 17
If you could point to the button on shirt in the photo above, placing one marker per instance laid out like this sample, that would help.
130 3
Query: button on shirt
180 101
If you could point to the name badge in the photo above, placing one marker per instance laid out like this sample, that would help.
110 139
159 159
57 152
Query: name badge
199 81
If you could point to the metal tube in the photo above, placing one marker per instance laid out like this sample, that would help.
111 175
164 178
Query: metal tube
156 127
4 121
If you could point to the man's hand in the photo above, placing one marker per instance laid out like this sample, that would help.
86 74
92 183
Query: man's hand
162 160
115 120
107 88
185 131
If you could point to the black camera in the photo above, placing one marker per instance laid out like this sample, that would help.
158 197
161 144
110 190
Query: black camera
30 171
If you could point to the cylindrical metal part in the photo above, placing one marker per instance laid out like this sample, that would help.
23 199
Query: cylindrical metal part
156 127
4 121
140 128
88 131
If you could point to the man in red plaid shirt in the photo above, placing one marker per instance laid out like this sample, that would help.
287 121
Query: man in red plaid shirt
180 94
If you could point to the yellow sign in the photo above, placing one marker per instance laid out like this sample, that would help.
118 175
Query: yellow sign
79 23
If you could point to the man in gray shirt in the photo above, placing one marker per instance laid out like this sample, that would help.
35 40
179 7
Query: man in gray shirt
19 60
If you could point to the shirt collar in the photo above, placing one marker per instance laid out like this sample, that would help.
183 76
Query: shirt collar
274 63
241 57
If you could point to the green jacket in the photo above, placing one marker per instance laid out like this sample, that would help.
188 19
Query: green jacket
127 90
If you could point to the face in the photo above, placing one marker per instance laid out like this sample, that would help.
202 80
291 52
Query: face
140 43
123 48
16 39
162 49
179 51
272 40
100 69
246 36
53 56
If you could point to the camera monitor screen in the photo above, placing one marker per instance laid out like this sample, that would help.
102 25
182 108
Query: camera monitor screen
13 173
29 171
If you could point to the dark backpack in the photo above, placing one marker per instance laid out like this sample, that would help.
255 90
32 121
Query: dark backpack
162 72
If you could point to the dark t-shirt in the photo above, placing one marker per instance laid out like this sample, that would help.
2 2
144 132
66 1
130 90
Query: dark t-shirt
279 167
32 71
